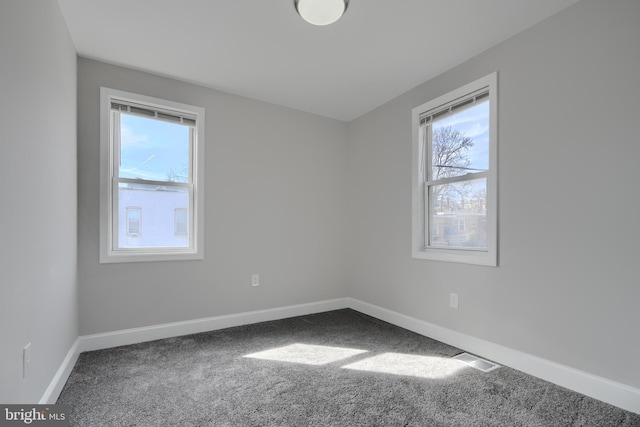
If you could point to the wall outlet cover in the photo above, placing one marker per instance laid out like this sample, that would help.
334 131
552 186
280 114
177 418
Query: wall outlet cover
453 300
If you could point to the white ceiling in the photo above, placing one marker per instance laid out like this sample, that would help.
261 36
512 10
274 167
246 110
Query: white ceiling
263 50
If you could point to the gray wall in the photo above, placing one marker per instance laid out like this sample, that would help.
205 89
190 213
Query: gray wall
38 286
275 205
567 286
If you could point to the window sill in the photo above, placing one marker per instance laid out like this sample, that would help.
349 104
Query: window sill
460 256
123 256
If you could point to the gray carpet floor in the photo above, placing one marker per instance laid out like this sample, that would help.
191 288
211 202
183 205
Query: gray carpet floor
339 368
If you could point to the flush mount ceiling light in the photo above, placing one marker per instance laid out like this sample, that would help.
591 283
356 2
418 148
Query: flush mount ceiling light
321 12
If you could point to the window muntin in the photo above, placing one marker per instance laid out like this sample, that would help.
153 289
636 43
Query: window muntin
455 170
152 158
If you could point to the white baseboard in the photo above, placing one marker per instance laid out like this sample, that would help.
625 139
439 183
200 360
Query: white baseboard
168 330
60 378
614 393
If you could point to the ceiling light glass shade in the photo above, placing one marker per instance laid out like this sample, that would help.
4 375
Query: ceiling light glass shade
321 12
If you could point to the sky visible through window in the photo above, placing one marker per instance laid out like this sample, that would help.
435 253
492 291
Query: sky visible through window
474 123
153 149
159 151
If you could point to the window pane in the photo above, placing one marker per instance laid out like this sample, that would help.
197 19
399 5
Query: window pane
158 204
153 150
458 215
460 142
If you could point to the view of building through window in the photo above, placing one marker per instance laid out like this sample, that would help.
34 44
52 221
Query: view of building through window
157 212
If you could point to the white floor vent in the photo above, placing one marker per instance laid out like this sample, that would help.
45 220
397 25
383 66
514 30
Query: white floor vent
476 362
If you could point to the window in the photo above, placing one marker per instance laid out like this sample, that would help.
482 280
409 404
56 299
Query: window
454 175
181 221
133 221
152 157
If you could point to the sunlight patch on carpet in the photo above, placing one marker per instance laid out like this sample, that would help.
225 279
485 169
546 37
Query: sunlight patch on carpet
408 364
307 354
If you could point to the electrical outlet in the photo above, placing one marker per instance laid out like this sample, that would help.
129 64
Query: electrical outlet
453 301
26 359
255 280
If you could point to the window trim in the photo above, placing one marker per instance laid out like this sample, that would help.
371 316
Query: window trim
419 219
196 226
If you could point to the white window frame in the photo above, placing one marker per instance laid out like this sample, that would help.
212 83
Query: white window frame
420 221
108 202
